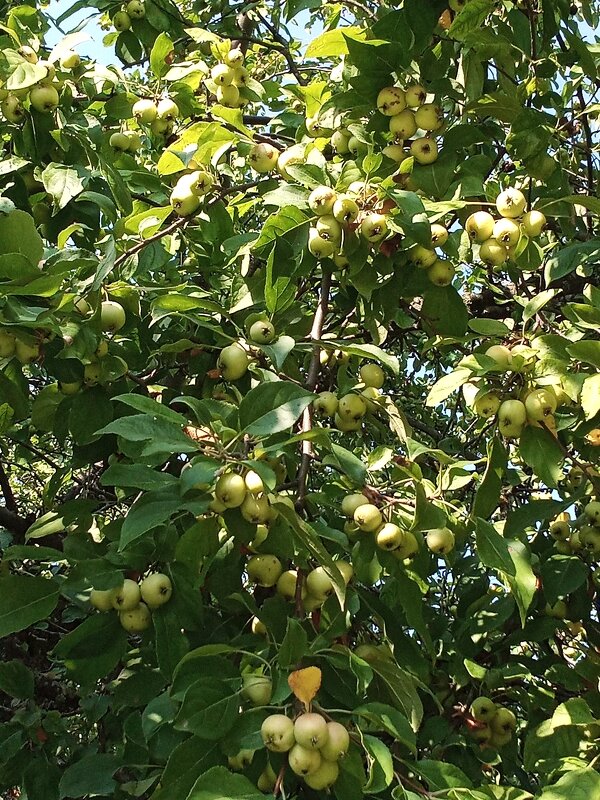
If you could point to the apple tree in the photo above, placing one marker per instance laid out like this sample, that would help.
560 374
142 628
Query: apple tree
300 400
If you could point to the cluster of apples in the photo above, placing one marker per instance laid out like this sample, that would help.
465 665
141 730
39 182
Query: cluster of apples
535 405
26 351
122 19
409 112
313 746
246 492
364 517
158 116
44 96
228 77
234 359
580 536
498 239
134 601
494 725
348 411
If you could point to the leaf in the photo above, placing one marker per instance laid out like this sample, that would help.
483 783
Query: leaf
562 575
187 762
150 511
333 43
471 17
446 385
209 709
25 600
365 350
490 487
379 763
91 775
439 774
62 183
386 718
346 462
493 549
16 680
586 351
161 49
578 784
220 784
273 407
444 311
569 258
536 303
590 396
286 219
149 406
18 234
165 437
540 450
524 583
305 683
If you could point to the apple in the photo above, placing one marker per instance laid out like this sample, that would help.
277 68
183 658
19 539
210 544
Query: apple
12 108
199 181
540 404
482 735
424 150
439 235
346 569
321 200
314 128
493 253
228 95
261 535
277 732
254 482
240 760
339 142
267 780
26 352
161 127
287 584
293 156
233 362
92 374
480 226
372 398
119 141
500 354
372 375
351 407
368 517
263 157
121 21
396 152
592 512
507 232
222 74
167 109
234 58
346 424
351 502
512 416
258 627
112 316
145 110
345 209
487 405
483 709
69 388
258 689
156 590
303 761
389 536
7 344
590 540
429 117
440 540
374 227
262 332
533 223
323 777
101 349
560 530
240 76
391 101
134 141
329 228
498 740
441 273
230 490
353 145
137 619
184 200
422 257
325 405
403 125
310 731
70 60
319 584
28 54
415 95
127 597
256 509
102 599
264 569
337 744
136 9
511 203
318 246
44 99
503 721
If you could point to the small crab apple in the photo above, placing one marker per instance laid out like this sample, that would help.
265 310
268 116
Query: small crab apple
326 404
258 689
511 203
228 95
391 101
351 502
319 246
540 404
263 157
136 9
368 517
482 709
112 316
345 209
156 590
408 548
102 599
396 152
439 235
403 125
329 228
493 253
136 619
233 362
507 232
339 142
372 375
321 200
264 569
440 540
500 354
241 760
415 95
323 777
235 57
480 226
389 536
351 407
287 584
70 60
533 223
145 110
422 257
222 74
487 405
429 117
319 584
424 150
338 742
310 731
293 156
441 273
121 21
167 109
374 227
256 509
512 416
127 596
12 108
262 332
44 99
277 732
230 490
303 760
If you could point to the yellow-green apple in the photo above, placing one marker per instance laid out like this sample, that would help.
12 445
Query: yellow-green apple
511 203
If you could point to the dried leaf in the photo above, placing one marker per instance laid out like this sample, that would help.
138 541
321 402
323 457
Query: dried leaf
305 683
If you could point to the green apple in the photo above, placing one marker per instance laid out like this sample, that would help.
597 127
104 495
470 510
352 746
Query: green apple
440 540
441 273
262 332
264 569
403 125
351 502
345 209
267 780
26 352
222 74
339 142
7 344
323 777
590 540
351 407
241 760
500 354
372 375
396 152
287 584
338 742
258 627
184 200
319 584
70 60
254 483
512 416
101 349
102 599
540 404
326 404
483 709
303 761
321 200
156 590
310 731
482 735
480 226
391 101
69 388
429 117
233 362
263 157
592 512
136 9
424 150
92 374
533 223
408 548
112 316
119 141
161 127
258 689
374 227
126 597
277 732
368 517
145 110
121 21
353 145
492 253
234 58
137 619
503 721
346 569
511 203
389 536
12 108
293 156
439 235
560 530
507 232
230 490
422 257
134 141
318 246
315 129
347 424
44 99
261 535
415 95
228 95
329 228
240 76
167 109
256 509
487 405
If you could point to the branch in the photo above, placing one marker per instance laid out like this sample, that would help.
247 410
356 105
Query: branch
9 498
284 48
353 4
13 522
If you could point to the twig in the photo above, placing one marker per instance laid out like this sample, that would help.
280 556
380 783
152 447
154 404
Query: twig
179 223
284 48
279 781
9 498
353 4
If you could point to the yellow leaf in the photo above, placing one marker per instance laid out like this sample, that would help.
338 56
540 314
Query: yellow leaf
305 683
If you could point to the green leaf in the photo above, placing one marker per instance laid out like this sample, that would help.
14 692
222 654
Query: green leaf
493 549
568 258
401 686
590 396
380 764
273 407
283 221
92 649
441 775
294 644
365 350
165 437
23 74
489 489
540 450
536 303
446 385
471 17
150 511
444 311
209 709
18 234
578 784
346 462
186 763
90 410
524 583
333 43
586 351
149 406
162 48
62 183
220 784
25 600
562 575
388 719
135 476
91 775
16 680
